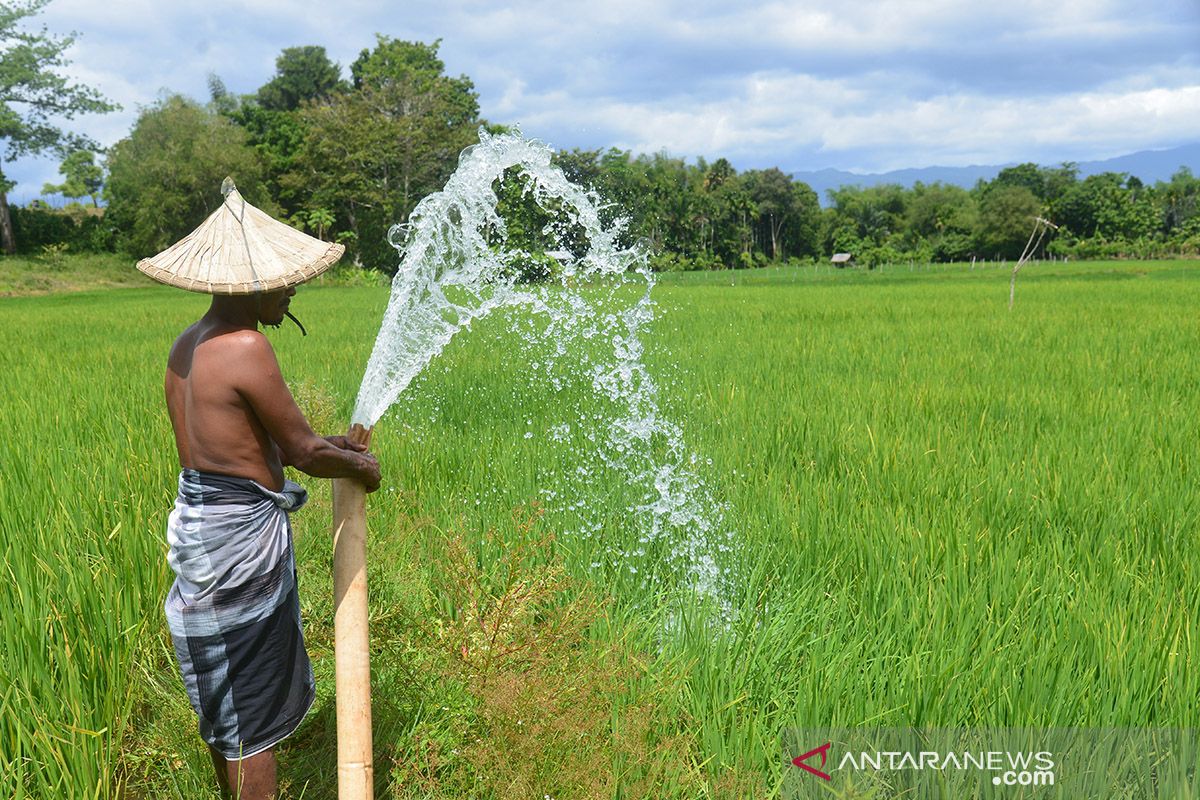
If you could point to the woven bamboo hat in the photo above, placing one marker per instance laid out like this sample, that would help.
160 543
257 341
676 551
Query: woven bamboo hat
241 250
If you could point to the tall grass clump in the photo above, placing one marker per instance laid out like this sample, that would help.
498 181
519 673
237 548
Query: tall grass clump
84 478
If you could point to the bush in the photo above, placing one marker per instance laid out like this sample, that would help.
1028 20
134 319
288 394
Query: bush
165 177
1100 249
35 228
668 261
525 267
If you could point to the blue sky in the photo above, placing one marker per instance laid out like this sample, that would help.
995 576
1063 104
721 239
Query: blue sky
864 86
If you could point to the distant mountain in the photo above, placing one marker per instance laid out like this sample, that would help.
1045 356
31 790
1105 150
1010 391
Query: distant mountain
1149 165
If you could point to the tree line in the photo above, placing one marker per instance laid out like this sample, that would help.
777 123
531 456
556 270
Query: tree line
345 156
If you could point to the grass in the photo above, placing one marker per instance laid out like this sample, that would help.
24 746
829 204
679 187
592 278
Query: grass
59 271
948 514
56 272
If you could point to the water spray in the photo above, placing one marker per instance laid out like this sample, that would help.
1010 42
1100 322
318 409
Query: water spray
456 267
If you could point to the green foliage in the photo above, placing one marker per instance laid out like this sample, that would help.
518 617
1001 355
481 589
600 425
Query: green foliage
221 99
165 177
788 214
414 69
1028 176
1006 215
700 216
1110 206
941 219
36 228
54 255
319 219
302 74
371 154
278 136
84 177
868 223
36 96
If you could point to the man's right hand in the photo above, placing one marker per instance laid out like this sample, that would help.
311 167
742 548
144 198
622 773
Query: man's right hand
366 466
368 472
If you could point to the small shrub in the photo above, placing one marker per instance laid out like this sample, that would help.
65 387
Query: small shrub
53 255
553 711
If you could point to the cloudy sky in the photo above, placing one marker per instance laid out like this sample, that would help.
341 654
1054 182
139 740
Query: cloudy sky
865 86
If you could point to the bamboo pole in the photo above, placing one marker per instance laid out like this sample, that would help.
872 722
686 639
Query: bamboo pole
351 654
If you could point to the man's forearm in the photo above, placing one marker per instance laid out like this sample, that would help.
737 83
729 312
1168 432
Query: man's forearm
322 459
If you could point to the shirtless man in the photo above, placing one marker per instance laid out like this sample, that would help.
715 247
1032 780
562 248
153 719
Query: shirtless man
233 611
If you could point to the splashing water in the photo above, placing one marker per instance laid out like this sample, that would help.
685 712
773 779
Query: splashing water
457 266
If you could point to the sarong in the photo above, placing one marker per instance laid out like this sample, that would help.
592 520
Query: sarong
233 611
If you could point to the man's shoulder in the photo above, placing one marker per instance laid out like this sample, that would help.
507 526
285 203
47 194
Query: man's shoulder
199 333
229 348
242 348
242 339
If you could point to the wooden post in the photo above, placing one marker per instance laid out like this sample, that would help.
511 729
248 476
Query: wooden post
351 653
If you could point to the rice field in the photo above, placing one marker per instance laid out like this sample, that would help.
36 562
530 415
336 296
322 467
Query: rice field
947 514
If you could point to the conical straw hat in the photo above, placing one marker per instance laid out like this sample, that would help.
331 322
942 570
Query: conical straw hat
241 250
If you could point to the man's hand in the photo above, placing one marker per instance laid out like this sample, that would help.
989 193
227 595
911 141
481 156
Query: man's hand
342 443
367 465
369 476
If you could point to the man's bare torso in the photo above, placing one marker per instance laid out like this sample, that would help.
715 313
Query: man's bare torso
231 409
216 430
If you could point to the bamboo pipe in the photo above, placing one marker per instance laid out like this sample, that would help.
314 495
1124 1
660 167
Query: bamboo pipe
351 654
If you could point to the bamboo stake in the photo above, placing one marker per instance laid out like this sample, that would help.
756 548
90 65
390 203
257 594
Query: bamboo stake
1031 247
351 654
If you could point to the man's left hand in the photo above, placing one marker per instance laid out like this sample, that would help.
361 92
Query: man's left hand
342 443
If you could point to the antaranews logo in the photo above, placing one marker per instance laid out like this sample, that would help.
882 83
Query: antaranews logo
990 763
823 751
1006 768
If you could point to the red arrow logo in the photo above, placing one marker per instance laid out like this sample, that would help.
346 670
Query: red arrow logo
823 750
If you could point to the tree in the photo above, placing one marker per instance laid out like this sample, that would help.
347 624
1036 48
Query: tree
730 213
1059 180
788 213
1006 216
803 237
1179 200
319 219
278 136
165 177
413 73
1028 175
84 177
220 99
865 218
943 217
1110 206
370 154
302 74
34 95
772 193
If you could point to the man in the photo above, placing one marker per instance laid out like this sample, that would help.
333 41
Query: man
233 610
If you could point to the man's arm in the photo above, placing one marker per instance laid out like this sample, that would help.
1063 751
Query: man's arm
340 442
257 378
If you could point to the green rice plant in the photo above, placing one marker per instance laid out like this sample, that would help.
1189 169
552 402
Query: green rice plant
946 514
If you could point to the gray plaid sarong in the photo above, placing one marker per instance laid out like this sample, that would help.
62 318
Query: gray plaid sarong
233 611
